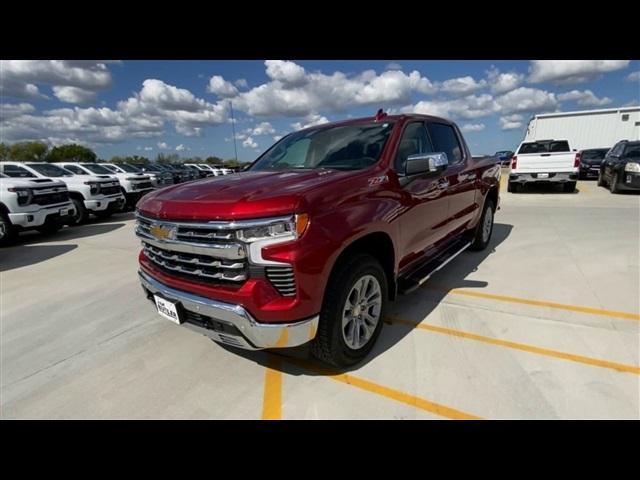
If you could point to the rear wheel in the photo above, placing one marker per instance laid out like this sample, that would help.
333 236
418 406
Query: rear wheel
613 184
569 187
600 180
352 312
485 227
8 232
514 187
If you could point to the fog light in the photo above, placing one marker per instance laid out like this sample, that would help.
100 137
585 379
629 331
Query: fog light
99 203
29 218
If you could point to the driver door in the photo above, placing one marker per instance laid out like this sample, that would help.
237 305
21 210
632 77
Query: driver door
423 198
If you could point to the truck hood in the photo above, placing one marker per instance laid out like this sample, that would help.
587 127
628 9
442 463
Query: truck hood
31 182
238 196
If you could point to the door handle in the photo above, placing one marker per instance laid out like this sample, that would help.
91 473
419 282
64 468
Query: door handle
442 184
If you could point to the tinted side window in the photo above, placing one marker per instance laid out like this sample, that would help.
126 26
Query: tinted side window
445 140
617 150
16 171
414 140
632 151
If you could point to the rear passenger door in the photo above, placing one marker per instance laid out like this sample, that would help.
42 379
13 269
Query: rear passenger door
459 178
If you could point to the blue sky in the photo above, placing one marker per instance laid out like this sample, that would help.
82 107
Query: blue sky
148 107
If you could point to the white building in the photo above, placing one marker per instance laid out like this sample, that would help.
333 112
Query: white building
588 128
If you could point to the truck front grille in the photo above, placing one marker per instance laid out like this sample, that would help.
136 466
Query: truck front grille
142 185
50 198
109 190
195 265
283 279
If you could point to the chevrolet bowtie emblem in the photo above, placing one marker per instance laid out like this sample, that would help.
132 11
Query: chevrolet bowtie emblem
162 233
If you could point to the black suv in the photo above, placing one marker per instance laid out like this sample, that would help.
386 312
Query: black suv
590 161
620 169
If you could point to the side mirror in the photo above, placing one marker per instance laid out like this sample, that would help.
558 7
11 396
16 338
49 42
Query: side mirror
426 163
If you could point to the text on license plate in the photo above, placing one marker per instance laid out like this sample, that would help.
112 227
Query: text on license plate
167 309
543 175
64 211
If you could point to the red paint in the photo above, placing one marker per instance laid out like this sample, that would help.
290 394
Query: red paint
342 207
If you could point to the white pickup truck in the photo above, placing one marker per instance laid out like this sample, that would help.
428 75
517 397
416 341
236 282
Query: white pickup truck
133 185
32 204
158 179
97 194
544 161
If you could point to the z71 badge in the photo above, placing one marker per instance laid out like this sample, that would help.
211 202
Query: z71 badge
377 180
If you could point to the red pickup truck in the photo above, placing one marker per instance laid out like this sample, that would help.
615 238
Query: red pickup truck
310 242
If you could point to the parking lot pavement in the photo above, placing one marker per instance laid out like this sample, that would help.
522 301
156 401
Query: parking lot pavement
543 324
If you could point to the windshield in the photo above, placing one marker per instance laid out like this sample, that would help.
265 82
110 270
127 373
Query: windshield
128 168
50 170
545 147
111 168
348 147
95 168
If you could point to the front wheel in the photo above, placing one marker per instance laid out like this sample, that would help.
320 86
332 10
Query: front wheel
613 184
104 213
8 232
514 187
81 214
600 180
49 228
352 312
485 227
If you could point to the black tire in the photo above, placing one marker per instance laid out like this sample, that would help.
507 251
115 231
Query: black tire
514 187
600 180
49 228
480 240
81 214
329 345
8 232
613 184
104 213
569 187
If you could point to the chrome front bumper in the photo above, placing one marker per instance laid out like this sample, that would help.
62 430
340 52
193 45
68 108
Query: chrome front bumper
251 334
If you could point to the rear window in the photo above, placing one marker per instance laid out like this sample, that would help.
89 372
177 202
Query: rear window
49 170
545 147
594 154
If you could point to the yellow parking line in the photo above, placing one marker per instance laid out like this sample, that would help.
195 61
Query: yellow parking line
387 392
272 401
540 303
620 367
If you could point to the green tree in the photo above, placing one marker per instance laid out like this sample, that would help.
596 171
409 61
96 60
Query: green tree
71 153
4 152
231 163
28 151
214 160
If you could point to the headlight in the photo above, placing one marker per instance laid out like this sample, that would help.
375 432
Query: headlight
632 167
94 187
25 195
285 229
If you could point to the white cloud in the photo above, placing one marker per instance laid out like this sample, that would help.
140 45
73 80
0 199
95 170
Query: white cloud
632 103
249 143
469 107
221 87
73 81
163 146
503 82
473 127
148 149
393 66
73 94
586 98
293 92
12 110
180 148
511 122
633 76
241 83
571 71
263 128
288 73
525 99
462 85
277 137
310 121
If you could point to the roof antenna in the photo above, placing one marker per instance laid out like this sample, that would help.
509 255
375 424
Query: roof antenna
233 129
380 115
